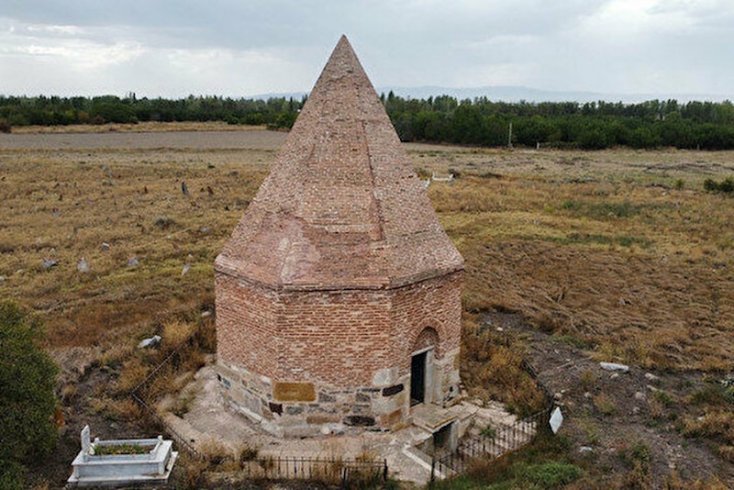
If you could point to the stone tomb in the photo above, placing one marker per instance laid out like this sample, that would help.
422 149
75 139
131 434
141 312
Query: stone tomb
135 462
338 295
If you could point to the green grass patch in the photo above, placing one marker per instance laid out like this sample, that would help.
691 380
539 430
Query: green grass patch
489 432
541 465
122 449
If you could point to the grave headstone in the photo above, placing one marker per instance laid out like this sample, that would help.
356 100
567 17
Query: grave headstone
86 439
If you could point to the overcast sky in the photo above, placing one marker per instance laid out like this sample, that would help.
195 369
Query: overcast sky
245 47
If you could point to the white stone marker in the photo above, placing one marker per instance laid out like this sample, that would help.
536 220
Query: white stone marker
556 420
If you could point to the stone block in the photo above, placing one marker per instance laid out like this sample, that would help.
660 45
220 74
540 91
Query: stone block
294 410
385 405
392 390
385 377
391 419
359 421
361 409
326 398
322 419
276 408
294 392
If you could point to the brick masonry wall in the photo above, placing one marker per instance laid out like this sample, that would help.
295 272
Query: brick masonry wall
299 360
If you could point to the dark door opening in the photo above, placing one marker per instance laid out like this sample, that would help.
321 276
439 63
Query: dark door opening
442 440
418 378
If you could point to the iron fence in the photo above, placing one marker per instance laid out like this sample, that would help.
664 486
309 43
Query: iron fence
503 439
327 470
343 471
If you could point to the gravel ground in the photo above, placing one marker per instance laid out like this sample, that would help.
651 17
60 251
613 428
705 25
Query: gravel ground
577 381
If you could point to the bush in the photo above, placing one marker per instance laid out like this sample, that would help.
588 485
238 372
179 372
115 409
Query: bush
5 126
11 475
552 475
489 432
725 186
27 401
164 222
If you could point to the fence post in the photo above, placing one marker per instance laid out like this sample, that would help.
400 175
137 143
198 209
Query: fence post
433 467
384 469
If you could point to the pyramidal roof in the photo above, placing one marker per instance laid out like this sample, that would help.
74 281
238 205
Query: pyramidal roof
342 207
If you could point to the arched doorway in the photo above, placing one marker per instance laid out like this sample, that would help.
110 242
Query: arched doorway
421 364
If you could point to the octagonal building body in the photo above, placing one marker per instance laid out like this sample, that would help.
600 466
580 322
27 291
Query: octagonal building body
338 293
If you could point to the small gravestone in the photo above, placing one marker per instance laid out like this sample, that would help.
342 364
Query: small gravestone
150 342
82 266
613 366
133 262
49 263
86 440
556 420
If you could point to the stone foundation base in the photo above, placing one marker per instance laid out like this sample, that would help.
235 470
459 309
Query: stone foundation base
303 409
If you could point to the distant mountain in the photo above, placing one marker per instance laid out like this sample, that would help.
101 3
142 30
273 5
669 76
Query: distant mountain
511 93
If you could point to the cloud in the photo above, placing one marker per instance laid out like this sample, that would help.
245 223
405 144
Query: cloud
230 47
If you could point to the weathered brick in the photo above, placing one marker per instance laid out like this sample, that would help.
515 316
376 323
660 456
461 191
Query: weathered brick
339 269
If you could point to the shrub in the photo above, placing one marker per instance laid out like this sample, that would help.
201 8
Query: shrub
665 399
552 475
247 453
637 458
423 173
489 432
175 332
604 404
726 186
5 126
164 222
640 452
455 172
11 475
27 401
588 379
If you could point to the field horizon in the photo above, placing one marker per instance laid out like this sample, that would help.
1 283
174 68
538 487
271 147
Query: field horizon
621 253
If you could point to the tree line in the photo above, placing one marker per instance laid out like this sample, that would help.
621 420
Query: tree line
443 119
276 112
594 125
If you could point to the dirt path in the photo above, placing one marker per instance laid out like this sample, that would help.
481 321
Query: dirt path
610 415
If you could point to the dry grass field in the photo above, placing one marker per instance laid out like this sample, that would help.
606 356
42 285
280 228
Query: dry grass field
602 246
621 252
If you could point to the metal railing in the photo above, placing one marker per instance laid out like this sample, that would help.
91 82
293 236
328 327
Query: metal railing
347 472
327 470
504 439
